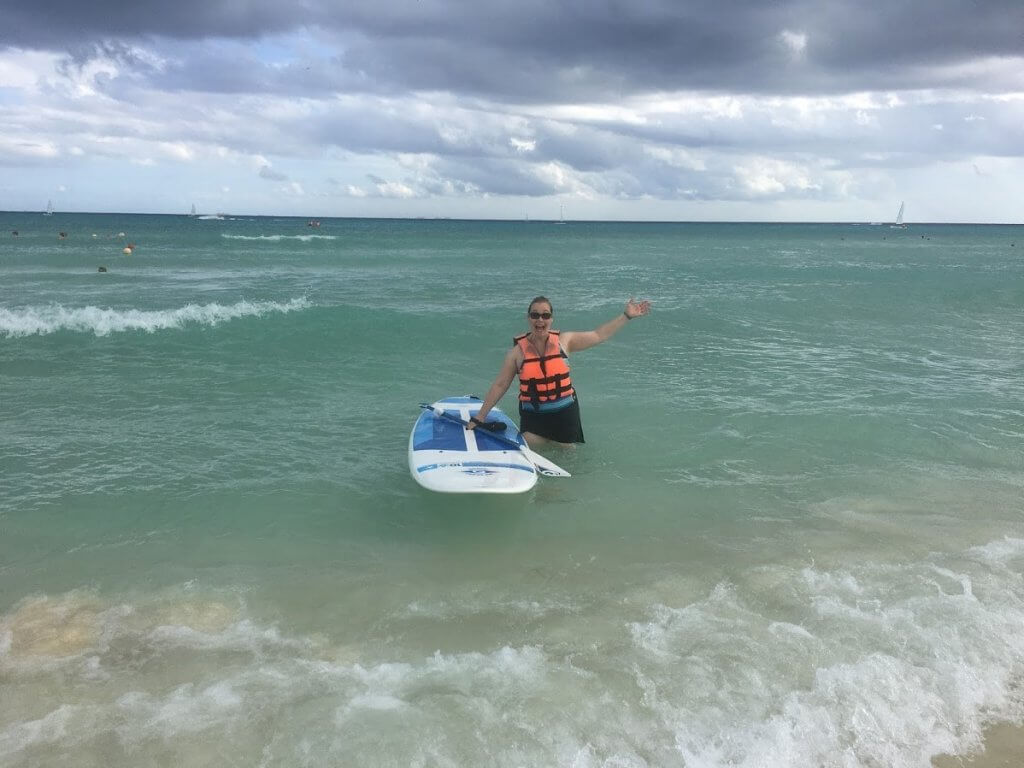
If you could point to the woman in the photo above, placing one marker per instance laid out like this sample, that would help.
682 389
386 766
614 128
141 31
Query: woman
548 408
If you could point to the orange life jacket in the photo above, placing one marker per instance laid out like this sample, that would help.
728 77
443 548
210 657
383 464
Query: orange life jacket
543 379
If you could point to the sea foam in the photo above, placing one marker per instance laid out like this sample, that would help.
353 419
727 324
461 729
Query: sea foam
44 320
873 664
882 665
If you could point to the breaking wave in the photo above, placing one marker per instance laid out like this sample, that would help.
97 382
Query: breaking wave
44 320
277 238
874 665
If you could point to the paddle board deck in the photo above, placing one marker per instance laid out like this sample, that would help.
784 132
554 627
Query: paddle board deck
447 458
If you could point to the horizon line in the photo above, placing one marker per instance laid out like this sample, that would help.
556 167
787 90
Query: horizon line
228 216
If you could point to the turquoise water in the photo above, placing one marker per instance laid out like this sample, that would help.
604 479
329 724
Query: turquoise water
794 537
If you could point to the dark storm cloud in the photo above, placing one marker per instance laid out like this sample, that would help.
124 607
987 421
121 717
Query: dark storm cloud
66 24
567 49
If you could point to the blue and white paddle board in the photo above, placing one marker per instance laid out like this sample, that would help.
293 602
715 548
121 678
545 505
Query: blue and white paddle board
446 457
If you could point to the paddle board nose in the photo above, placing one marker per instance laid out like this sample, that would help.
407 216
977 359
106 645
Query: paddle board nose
446 457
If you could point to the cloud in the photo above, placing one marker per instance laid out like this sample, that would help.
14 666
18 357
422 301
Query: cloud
381 188
522 145
266 172
536 50
18 151
795 42
404 101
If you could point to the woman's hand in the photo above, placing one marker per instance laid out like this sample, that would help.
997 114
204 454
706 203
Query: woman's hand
636 308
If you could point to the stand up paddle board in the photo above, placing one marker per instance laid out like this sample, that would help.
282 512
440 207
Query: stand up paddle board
446 457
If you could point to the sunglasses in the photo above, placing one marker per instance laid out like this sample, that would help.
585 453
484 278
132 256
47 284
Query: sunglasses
539 315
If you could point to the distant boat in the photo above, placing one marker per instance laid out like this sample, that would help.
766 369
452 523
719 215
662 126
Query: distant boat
899 219
49 208
561 215
193 212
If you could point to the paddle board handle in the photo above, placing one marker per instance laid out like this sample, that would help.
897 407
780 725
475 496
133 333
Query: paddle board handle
490 426
442 413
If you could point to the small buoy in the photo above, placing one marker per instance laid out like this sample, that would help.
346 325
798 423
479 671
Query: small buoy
102 269
127 251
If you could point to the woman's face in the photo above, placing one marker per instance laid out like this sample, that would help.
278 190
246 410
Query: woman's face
539 316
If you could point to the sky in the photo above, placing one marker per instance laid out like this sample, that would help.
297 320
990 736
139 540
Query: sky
671 110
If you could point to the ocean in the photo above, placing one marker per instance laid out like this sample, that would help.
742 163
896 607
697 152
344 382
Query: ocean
794 537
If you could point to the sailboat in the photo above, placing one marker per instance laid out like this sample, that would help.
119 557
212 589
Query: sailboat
193 212
899 219
561 215
49 208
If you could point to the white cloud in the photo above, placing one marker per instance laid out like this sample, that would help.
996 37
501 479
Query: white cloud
418 162
676 157
177 150
795 42
864 118
22 69
522 145
593 113
27 148
700 105
395 189
766 177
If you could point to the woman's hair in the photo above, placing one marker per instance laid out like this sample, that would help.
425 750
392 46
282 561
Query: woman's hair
538 300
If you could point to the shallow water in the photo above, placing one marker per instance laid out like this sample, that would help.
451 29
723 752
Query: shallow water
795 535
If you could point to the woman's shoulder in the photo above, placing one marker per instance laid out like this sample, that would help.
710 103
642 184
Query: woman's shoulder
564 339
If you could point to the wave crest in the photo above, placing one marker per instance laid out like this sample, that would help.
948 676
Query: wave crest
44 320
276 238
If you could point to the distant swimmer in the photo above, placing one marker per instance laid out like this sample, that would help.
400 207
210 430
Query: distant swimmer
62 235
102 269
14 232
